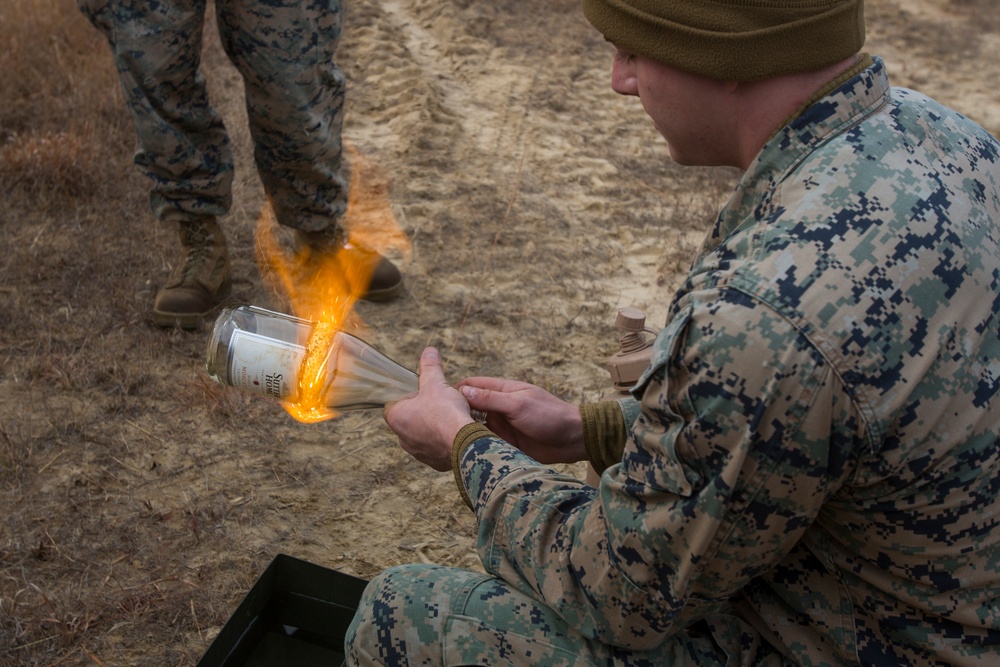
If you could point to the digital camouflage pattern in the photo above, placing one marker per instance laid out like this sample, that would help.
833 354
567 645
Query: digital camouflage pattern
815 452
284 50
432 615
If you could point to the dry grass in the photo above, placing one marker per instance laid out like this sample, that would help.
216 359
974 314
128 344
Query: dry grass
62 124
65 149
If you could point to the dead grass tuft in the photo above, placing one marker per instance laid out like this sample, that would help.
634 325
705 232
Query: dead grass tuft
52 165
64 133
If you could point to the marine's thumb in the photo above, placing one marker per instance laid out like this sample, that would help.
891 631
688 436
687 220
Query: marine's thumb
430 367
486 400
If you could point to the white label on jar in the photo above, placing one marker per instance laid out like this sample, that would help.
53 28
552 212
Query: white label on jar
262 365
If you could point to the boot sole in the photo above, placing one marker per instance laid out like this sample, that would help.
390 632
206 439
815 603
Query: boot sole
167 319
180 320
383 295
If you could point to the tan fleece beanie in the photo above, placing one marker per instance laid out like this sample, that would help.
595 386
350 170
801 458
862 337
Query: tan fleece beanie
734 40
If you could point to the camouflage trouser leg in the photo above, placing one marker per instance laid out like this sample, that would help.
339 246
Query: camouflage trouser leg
430 615
295 101
183 146
294 94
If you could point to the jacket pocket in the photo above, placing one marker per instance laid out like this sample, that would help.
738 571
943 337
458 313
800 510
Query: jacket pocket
651 456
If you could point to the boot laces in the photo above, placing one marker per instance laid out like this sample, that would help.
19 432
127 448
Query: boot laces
199 246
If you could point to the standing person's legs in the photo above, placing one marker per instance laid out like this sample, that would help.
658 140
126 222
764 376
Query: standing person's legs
431 615
183 146
295 103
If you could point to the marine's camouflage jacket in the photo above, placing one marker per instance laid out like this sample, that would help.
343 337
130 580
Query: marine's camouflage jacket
815 443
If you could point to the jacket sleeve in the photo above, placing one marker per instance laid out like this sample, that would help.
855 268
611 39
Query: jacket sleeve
725 467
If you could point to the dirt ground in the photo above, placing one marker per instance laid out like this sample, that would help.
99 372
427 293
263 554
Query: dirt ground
141 501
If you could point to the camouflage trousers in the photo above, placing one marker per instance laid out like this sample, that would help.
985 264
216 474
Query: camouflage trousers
294 91
432 615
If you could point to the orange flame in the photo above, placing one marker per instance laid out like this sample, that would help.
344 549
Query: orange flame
323 287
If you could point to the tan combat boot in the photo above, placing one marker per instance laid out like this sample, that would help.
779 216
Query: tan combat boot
200 280
385 282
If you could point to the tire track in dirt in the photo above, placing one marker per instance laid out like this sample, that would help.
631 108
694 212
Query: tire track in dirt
506 141
458 113
481 105
440 86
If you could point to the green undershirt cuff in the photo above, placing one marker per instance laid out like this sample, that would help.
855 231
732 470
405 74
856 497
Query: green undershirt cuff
465 437
604 433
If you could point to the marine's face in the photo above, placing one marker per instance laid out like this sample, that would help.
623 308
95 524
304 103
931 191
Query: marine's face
690 111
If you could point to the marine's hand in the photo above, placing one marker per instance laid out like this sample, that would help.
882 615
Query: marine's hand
428 421
546 428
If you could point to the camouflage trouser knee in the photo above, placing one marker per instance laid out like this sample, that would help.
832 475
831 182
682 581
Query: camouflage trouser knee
431 615
294 96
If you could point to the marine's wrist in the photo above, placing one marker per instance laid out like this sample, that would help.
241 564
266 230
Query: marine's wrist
465 437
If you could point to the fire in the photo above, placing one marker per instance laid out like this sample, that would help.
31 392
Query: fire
324 287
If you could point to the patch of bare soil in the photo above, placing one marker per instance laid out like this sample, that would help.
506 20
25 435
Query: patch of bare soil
141 501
